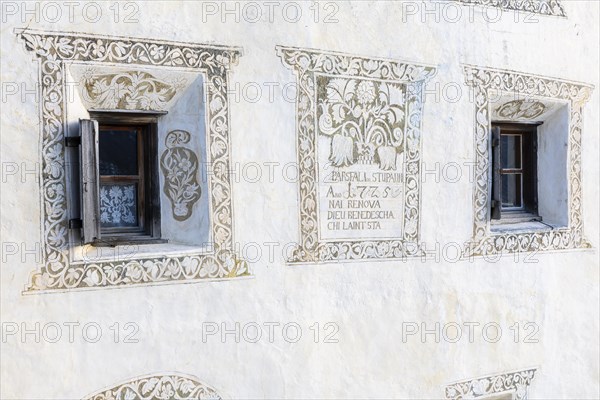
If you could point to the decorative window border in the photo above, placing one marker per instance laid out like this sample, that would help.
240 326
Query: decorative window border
483 80
516 383
306 63
157 386
544 7
53 49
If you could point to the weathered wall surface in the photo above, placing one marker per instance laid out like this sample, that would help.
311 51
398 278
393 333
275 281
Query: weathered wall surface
553 296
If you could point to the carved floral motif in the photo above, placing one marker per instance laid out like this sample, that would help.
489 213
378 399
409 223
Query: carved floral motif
158 387
180 169
58 272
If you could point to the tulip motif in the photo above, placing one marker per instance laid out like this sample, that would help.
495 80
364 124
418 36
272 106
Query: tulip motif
365 120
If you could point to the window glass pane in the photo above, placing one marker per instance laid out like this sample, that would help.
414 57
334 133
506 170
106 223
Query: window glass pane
118 152
511 151
511 190
118 205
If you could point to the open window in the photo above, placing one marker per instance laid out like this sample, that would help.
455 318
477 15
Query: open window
120 199
196 211
514 172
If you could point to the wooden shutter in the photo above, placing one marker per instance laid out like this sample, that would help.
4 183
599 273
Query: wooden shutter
496 174
90 180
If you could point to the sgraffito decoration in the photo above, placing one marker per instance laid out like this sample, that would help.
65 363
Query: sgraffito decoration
158 387
364 125
515 384
520 110
543 7
179 166
129 90
484 241
365 115
59 272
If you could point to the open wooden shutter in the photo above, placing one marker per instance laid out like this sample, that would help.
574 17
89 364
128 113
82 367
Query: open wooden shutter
496 174
90 180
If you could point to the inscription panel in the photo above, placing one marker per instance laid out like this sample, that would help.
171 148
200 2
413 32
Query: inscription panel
358 202
361 126
358 124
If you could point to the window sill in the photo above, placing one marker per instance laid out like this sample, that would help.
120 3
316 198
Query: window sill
521 227
134 251
114 242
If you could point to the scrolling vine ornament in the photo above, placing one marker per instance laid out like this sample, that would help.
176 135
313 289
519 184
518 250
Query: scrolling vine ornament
59 272
180 169
544 7
350 88
154 387
509 383
484 241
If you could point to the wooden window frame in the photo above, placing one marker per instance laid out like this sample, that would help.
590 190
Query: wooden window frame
148 230
528 211
142 132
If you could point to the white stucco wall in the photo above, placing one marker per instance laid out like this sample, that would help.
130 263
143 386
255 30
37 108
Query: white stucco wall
370 302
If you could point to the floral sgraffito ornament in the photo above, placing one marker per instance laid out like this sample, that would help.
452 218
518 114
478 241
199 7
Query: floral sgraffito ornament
158 386
521 109
543 7
180 169
514 384
365 120
131 90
